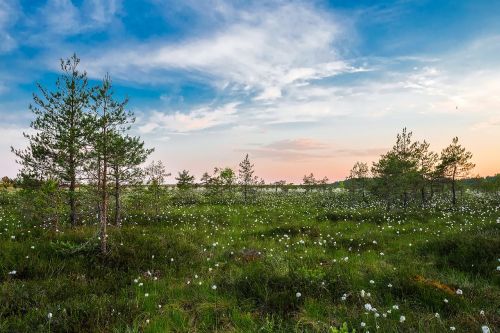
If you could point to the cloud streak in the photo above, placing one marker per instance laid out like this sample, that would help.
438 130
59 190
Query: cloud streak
263 52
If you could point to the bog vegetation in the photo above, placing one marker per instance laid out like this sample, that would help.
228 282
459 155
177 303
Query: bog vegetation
93 240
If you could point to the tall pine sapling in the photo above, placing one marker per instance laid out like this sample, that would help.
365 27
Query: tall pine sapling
57 148
109 120
455 164
246 177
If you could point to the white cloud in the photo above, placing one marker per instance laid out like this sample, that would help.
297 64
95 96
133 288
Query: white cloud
195 120
9 14
51 23
263 51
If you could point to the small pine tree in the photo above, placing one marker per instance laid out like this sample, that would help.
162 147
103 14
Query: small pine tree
156 175
358 177
455 164
126 155
246 177
184 180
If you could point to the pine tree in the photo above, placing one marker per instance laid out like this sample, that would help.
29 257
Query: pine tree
126 155
205 179
109 119
57 149
426 167
156 175
396 173
455 164
309 181
184 180
358 177
246 177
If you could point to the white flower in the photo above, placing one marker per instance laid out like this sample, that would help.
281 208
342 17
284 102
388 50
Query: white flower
298 295
485 329
368 307
459 292
452 328
436 315
12 272
363 324
146 295
481 312
389 285
214 287
49 315
395 307
402 319
372 282
446 300
362 293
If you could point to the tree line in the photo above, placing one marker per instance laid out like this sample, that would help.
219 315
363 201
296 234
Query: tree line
410 167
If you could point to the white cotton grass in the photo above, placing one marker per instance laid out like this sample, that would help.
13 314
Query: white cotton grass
298 295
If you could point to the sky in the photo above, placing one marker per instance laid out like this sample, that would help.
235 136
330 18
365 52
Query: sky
301 86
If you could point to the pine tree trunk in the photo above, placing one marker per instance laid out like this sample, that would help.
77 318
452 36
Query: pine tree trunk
104 210
454 198
72 202
117 199
104 192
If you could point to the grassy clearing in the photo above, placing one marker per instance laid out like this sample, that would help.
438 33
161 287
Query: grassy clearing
282 265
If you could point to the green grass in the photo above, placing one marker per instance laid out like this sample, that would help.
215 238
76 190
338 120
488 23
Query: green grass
160 276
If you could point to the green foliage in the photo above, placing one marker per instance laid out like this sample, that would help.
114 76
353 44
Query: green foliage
342 329
285 263
184 180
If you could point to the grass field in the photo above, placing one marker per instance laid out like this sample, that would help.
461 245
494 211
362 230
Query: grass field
288 263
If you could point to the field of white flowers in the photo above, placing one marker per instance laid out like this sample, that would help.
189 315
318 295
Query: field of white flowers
285 263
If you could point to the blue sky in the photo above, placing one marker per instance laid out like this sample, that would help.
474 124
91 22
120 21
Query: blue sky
302 86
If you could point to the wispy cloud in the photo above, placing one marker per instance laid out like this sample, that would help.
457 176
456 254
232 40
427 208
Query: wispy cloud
9 14
195 120
262 51
297 144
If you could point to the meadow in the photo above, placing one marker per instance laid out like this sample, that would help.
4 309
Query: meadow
318 261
